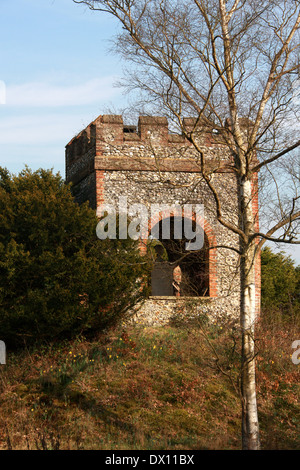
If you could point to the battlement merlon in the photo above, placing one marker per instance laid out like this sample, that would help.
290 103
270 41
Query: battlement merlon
112 127
107 144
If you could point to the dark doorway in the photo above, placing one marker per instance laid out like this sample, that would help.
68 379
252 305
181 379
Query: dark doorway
177 270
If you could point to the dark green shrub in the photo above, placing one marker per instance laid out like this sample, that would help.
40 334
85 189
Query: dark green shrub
56 277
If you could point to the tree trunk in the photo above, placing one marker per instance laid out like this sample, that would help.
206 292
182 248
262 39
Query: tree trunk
250 427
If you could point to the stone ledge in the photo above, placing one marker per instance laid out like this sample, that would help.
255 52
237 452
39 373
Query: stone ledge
167 164
178 299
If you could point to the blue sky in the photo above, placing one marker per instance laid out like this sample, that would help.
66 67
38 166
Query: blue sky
57 75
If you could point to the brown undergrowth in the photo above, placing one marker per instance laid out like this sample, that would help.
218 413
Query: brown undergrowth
141 387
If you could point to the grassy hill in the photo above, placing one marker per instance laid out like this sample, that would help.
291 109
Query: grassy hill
141 387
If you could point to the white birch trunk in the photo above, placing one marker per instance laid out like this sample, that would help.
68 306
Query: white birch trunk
250 427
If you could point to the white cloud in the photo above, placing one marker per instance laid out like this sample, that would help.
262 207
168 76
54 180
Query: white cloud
45 94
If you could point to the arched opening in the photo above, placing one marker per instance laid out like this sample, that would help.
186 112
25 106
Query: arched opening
179 271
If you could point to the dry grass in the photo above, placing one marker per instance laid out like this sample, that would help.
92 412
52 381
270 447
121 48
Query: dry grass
146 388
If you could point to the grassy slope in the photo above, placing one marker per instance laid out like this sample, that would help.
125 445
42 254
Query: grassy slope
147 388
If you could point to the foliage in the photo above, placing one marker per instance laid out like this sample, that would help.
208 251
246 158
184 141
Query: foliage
157 250
280 280
141 387
56 277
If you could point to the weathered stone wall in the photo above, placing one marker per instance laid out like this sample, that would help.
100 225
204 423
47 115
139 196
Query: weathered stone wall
145 186
160 311
149 165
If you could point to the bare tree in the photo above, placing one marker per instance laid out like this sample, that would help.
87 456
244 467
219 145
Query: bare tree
233 65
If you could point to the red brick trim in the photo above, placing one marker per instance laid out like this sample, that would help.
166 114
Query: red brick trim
212 259
100 175
125 163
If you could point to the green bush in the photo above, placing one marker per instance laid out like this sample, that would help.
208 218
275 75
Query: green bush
57 278
280 286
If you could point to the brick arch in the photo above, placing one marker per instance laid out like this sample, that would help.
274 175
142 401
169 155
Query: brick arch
212 250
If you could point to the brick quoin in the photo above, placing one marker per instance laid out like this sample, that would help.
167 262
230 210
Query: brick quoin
150 165
212 259
100 199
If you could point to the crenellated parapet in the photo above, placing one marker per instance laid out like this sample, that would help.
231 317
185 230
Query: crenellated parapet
108 143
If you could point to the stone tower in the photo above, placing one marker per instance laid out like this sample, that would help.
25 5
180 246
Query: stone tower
150 165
